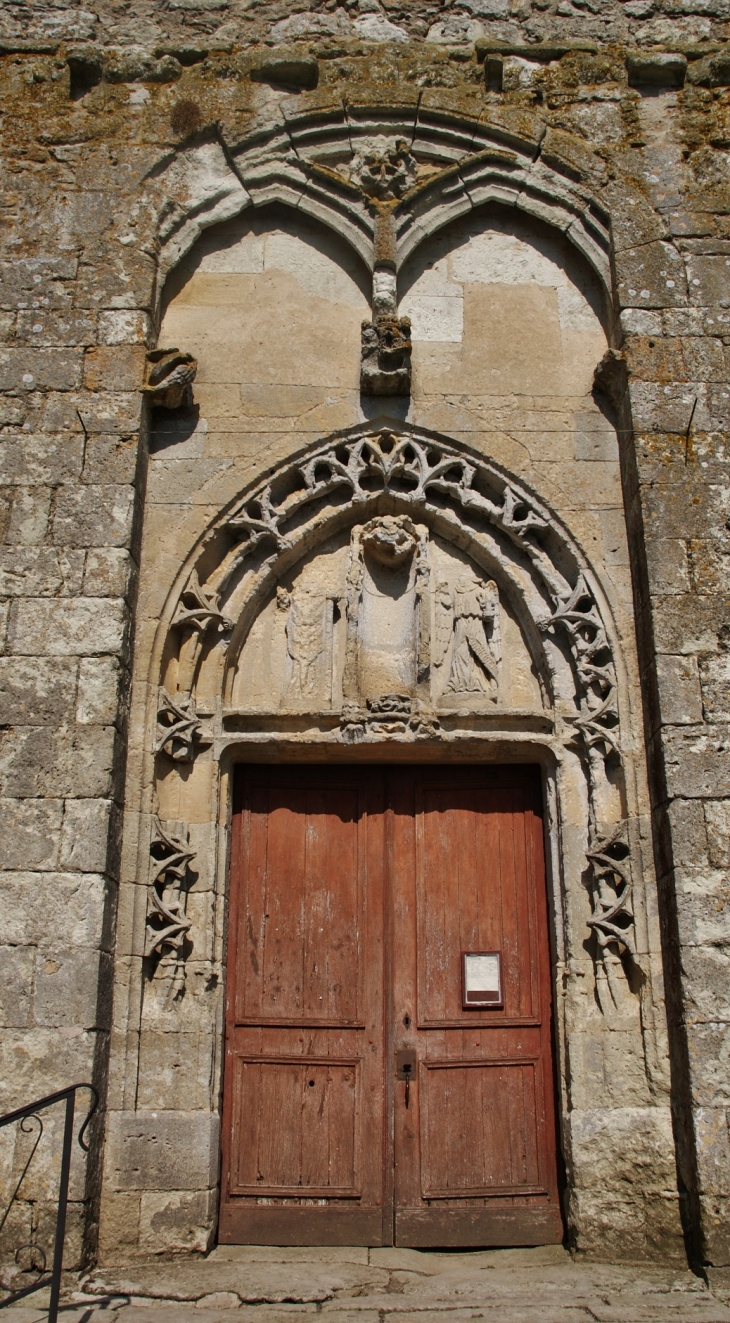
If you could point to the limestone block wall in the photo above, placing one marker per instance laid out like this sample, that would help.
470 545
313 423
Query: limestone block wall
629 104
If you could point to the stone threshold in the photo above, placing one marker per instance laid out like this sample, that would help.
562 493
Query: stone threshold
266 1284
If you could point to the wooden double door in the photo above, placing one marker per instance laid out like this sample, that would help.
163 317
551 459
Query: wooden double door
389 1070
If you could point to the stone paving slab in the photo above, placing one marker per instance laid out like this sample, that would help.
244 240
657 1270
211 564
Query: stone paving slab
263 1284
253 1282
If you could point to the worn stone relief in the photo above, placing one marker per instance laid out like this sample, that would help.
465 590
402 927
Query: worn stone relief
386 346
468 620
170 377
383 169
308 644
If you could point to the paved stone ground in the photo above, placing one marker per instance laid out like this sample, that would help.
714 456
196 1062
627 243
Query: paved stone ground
265 1285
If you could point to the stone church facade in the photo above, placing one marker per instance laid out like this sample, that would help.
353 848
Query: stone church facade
365 398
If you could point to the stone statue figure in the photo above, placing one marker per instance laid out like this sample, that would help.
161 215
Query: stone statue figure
305 638
470 614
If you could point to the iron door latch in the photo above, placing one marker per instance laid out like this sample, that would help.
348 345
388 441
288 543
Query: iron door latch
405 1069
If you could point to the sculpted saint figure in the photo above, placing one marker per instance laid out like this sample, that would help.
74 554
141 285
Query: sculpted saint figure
471 611
305 637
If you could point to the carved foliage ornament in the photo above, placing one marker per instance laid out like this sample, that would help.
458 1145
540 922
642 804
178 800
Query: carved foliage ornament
178 727
167 922
198 609
609 856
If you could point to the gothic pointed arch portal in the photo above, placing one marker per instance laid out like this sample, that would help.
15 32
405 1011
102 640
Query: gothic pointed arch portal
388 596
370 600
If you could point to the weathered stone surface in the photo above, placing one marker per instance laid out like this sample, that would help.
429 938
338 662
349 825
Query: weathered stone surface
163 1151
16 983
41 571
93 516
680 698
56 628
100 680
39 369
69 989
30 833
85 835
66 908
36 691
40 459
76 762
256 1282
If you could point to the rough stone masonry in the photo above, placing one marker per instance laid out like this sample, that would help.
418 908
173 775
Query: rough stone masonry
285 154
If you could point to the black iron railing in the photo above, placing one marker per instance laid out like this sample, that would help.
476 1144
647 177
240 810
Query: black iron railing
28 1118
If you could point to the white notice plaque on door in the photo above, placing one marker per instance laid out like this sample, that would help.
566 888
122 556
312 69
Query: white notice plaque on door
482 979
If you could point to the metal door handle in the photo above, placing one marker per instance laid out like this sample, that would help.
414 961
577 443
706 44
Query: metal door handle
405 1069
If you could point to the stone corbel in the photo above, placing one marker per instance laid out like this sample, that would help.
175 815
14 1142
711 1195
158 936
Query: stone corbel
170 377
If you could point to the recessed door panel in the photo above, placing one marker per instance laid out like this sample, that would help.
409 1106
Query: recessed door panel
299 924
295 1126
474 1150
479 1129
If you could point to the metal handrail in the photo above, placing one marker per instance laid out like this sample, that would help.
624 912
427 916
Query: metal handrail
29 1113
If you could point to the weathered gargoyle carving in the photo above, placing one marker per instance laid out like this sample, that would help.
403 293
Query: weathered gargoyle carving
385 368
170 377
